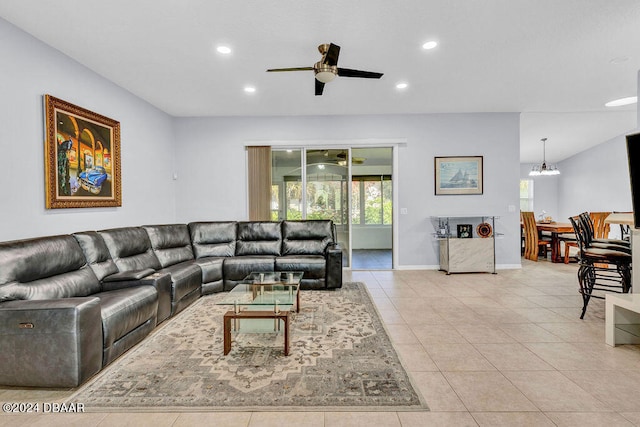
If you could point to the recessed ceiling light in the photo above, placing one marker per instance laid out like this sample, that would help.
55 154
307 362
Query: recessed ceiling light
402 85
225 50
430 45
249 89
619 60
622 101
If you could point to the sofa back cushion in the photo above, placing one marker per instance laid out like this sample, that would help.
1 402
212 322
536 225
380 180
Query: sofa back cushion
45 268
217 239
170 243
96 253
306 237
130 248
259 238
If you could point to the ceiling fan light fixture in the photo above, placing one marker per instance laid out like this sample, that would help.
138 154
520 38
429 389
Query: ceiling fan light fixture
325 76
325 73
622 101
430 45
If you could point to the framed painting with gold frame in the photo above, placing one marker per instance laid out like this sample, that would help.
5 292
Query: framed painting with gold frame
82 157
458 175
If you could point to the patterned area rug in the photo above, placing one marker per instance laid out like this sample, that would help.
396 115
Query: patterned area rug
340 359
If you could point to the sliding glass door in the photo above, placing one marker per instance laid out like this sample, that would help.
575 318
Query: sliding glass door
327 191
312 184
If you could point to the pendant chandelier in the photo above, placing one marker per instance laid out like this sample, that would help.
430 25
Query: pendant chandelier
543 168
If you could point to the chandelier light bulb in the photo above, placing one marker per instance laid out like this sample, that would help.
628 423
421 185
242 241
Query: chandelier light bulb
544 169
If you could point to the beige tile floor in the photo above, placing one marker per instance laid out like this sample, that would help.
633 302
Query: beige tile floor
488 350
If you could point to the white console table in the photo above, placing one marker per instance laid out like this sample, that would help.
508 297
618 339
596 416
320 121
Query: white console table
622 319
471 254
622 311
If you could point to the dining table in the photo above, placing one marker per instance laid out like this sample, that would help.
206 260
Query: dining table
623 218
556 229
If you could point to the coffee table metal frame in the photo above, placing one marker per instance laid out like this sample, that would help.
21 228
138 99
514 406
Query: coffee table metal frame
249 314
263 289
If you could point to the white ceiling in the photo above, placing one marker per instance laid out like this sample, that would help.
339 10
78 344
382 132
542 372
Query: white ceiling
556 61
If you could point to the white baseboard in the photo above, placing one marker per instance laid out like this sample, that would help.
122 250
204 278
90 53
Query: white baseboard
508 266
437 267
418 267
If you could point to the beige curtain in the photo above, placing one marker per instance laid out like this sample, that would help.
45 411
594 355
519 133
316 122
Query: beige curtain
259 162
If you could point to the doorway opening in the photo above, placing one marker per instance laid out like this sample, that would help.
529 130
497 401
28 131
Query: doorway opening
351 186
372 208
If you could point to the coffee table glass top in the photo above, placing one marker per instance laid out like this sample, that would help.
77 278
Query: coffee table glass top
265 289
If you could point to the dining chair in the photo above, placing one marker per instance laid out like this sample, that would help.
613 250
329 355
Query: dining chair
600 228
601 269
597 233
597 228
533 243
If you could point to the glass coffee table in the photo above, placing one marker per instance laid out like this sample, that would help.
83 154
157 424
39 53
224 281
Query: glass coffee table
269 295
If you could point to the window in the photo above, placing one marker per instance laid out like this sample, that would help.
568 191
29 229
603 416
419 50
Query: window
371 200
275 201
526 195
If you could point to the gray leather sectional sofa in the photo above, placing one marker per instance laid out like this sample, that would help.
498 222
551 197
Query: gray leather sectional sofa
72 304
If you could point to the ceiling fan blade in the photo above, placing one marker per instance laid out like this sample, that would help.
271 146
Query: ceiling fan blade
331 58
346 72
291 69
319 87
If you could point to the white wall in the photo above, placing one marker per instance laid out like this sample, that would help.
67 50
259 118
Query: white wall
596 180
212 171
371 237
31 69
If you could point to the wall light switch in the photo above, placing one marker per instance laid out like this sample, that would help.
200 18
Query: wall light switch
512 208
175 176
403 211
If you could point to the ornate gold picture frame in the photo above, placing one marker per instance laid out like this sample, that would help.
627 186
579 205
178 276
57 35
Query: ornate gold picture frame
82 157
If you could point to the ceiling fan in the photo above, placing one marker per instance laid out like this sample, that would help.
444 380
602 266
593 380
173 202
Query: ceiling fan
327 68
354 160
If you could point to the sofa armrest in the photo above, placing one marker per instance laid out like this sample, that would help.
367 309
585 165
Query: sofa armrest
129 275
333 255
50 343
160 281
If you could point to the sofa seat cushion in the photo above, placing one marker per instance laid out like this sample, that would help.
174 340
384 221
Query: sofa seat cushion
212 268
237 268
125 276
185 278
313 266
123 310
